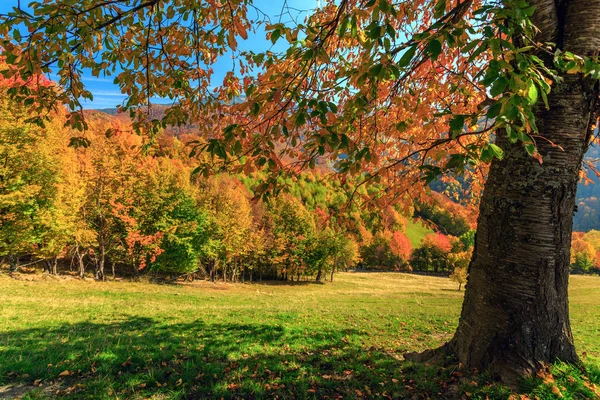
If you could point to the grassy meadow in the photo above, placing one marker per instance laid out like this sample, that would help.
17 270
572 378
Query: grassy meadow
121 340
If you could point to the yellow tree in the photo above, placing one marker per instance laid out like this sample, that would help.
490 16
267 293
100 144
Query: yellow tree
227 200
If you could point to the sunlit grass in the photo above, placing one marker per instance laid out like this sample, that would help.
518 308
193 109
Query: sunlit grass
140 340
416 231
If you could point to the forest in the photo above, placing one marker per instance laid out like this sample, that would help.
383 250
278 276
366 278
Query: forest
120 206
115 208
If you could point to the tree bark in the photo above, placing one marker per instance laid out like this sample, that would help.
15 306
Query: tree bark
80 255
13 260
100 264
515 315
53 265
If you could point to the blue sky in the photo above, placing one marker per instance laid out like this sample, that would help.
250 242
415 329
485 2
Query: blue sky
107 94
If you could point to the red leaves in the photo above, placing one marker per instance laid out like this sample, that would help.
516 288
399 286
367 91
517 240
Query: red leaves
438 240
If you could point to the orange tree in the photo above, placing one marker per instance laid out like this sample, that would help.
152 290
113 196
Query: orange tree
393 91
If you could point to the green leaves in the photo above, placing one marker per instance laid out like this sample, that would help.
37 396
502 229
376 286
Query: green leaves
375 70
407 57
434 48
491 151
499 86
494 110
496 151
275 35
439 9
532 93
456 124
79 141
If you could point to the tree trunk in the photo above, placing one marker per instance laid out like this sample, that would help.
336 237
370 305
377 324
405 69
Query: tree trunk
53 265
13 260
80 262
515 315
100 264
318 278
47 268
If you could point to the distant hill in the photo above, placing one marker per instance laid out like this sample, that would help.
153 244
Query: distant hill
587 216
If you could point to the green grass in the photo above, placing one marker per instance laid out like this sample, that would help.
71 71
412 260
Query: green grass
123 340
416 231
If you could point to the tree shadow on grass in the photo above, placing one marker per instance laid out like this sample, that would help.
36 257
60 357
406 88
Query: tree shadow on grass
142 357
147 358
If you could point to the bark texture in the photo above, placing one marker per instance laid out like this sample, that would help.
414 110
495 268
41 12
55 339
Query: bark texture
515 314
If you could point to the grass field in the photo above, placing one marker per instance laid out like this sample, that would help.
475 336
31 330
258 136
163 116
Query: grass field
75 339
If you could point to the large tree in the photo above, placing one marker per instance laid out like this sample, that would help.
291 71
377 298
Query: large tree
396 92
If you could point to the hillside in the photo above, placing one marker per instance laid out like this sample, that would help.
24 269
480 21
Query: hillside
587 216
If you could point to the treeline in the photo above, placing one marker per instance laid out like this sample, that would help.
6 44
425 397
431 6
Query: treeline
585 252
113 210
122 206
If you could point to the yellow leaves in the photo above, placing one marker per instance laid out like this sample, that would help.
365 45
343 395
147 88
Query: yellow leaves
557 391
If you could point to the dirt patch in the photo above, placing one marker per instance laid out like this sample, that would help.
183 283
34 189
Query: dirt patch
41 277
18 391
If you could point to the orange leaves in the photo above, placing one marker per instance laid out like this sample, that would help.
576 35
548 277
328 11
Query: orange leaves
400 245
438 240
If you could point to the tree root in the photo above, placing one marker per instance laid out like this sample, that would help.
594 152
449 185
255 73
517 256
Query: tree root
431 355
509 373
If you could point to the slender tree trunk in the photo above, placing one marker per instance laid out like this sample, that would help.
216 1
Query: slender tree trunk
134 269
515 315
332 271
54 265
100 263
13 261
47 268
79 256
318 278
